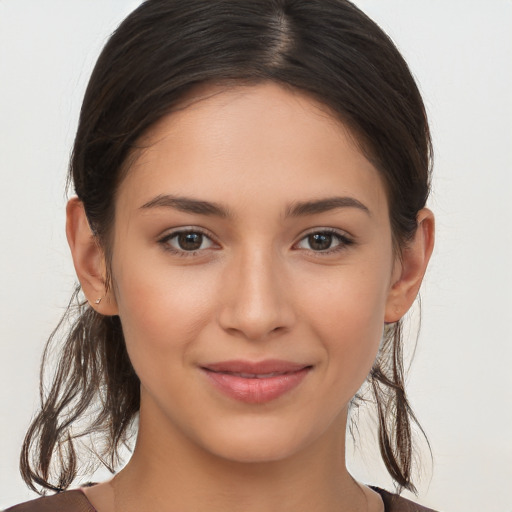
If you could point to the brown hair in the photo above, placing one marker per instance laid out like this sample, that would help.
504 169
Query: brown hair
328 49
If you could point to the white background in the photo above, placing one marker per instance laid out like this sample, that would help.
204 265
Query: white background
460 382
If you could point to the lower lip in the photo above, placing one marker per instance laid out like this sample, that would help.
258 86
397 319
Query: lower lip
256 391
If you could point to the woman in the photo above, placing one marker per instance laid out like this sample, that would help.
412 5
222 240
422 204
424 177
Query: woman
249 229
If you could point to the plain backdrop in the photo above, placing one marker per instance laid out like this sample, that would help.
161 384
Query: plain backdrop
460 381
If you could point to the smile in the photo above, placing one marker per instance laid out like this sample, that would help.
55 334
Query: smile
255 376
255 383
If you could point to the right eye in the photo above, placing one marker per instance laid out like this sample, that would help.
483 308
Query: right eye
186 242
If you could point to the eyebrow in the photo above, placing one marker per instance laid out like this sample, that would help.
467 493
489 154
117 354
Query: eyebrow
187 205
298 209
324 205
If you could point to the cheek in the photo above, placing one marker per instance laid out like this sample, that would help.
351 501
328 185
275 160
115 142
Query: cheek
162 312
347 315
353 298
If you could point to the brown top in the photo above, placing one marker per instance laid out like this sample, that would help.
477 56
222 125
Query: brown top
68 501
76 501
395 503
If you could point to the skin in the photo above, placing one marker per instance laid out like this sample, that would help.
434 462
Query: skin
257 288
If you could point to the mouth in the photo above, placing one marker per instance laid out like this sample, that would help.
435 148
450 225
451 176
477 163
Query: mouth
255 382
255 375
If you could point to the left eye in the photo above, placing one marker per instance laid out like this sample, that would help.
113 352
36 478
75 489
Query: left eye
188 241
323 241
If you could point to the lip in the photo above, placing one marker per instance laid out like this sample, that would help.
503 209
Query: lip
255 382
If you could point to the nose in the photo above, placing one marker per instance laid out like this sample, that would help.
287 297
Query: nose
254 298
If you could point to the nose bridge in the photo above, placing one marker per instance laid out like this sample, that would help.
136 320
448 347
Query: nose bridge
256 303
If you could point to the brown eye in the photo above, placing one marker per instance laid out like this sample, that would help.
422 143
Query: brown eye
189 241
186 242
324 242
320 241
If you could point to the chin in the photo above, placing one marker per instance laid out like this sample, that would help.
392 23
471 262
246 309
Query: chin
259 442
256 453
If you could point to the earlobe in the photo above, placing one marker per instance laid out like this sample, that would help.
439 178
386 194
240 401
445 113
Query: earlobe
88 259
411 268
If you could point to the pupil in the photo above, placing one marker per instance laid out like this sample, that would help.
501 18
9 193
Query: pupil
190 241
320 241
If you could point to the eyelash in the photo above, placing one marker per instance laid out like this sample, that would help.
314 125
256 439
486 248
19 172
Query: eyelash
164 241
343 241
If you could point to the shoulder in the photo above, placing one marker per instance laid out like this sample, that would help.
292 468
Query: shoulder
68 501
395 503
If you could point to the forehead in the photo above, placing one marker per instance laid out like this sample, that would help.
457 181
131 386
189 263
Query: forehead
266 141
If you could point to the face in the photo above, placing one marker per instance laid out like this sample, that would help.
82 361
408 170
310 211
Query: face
252 266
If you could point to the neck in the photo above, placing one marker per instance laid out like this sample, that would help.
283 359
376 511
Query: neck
169 472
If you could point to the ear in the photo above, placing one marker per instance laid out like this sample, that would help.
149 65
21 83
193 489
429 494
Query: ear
89 259
410 269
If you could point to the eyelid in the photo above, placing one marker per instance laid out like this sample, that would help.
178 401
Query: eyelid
345 240
170 234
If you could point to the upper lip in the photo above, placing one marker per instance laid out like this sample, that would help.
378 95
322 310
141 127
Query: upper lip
268 366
